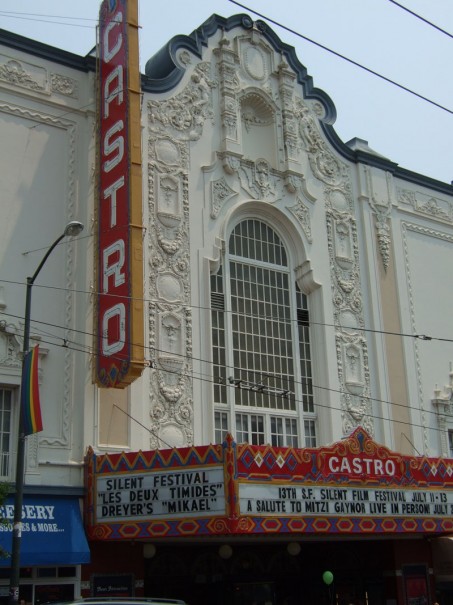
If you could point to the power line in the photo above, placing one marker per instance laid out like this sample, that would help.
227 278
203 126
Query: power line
341 56
317 404
310 322
290 30
17 15
251 385
430 23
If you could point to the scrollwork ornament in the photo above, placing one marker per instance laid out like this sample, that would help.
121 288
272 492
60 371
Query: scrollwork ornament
184 414
183 116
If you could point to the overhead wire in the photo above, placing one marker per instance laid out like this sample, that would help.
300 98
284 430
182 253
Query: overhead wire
299 35
17 15
317 404
93 292
343 57
414 14
82 348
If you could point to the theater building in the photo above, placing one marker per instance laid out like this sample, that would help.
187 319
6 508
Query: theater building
248 374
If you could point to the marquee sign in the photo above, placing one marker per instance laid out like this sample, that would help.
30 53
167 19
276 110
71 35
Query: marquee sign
355 486
119 341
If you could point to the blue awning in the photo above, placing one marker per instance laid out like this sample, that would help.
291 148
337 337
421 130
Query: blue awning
52 532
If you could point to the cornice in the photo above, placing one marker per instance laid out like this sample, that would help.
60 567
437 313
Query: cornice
44 51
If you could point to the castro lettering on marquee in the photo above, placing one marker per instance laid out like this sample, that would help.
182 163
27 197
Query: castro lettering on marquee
361 466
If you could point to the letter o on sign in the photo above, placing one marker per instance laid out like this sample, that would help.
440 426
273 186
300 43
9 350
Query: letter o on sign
116 313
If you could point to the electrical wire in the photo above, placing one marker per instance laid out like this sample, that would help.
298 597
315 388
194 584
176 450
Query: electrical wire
9 15
310 322
347 59
81 348
430 23
294 32
296 401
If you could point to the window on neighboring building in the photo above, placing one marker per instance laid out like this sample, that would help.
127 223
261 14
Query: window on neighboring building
450 443
6 401
261 343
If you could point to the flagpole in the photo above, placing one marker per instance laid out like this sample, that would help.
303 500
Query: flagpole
72 229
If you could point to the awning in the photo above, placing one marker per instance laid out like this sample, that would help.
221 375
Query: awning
52 532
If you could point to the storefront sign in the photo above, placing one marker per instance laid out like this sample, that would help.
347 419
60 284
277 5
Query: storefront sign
112 585
52 531
120 351
354 486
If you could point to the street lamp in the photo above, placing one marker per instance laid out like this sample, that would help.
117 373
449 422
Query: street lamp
72 229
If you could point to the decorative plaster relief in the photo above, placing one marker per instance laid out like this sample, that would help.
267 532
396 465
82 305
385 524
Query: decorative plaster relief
325 166
10 347
228 86
221 192
382 211
259 181
169 287
302 214
421 203
170 325
169 205
255 61
353 369
172 435
255 111
167 151
343 244
230 162
442 403
183 116
64 85
352 357
170 335
24 75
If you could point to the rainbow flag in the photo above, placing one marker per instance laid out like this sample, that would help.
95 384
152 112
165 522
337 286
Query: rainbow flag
31 408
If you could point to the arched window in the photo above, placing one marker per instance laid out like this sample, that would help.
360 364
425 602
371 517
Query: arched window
263 389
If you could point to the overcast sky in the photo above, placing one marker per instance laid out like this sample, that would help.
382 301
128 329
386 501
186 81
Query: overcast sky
377 34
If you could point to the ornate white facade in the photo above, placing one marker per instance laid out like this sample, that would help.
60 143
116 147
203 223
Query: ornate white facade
234 129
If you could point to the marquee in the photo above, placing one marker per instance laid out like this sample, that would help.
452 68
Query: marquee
355 486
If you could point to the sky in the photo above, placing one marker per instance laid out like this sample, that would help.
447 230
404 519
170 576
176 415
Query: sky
377 34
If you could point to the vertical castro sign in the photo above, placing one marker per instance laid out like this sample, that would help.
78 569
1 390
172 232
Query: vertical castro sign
119 264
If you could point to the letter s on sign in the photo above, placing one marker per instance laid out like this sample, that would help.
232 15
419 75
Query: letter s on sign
110 146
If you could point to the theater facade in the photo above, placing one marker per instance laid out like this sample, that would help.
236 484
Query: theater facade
353 522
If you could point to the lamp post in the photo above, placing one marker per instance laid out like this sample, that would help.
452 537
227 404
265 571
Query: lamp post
72 229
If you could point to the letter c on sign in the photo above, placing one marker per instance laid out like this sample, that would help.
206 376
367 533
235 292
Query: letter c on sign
109 53
333 464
